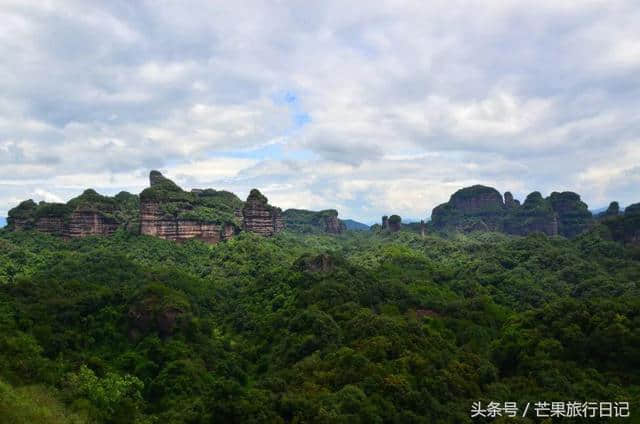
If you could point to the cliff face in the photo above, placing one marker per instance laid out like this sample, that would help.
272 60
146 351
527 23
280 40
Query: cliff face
481 208
304 221
259 217
91 223
394 223
162 210
168 212
154 222
89 214
469 209
573 214
333 225
624 228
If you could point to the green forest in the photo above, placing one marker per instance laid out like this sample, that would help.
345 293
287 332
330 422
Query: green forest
361 327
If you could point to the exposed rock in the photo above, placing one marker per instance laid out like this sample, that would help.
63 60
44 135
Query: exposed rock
318 263
332 225
480 208
573 214
259 217
91 223
168 212
309 222
423 313
612 210
535 216
471 207
385 222
509 201
157 309
395 223
625 228
86 215
155 222
162 210
632 210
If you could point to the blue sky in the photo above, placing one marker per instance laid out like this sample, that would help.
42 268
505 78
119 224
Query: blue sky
373 109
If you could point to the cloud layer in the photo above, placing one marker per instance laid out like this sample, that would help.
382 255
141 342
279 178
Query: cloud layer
371 109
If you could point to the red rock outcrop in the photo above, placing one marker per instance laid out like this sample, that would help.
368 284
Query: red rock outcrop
52 225
154 222
259 217
90 223
333 225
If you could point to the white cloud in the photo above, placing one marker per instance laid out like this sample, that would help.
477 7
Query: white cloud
404 102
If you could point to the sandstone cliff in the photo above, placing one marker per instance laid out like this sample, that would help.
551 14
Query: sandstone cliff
471 208
625 227
89 214
168 212
162 210
259 217
305 221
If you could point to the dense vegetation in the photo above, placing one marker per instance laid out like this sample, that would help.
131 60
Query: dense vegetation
365 327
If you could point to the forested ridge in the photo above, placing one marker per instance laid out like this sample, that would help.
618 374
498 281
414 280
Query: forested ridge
362 327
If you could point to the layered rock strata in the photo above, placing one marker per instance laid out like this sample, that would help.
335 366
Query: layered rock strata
259 217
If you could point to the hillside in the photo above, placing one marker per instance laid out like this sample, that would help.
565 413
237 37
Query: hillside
366 327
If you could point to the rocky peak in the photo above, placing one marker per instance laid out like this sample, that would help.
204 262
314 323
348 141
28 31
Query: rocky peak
260 217
385 222
306 221
632 210
395 222
477 198
155 177
625 227
470 208
612 210
509 201
573 214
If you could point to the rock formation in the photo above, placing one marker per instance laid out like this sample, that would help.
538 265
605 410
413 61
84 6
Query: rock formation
471 208
168 212
625 227
89 214
260 217
480 208
534 216
509 201
162 210
573 214
385 222
318 263
305 221
612 210
395 223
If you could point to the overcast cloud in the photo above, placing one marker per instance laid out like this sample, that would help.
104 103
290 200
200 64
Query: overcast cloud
368 108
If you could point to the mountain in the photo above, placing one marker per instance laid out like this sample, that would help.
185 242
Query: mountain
305 221
355 225
167 211
3 222
482 208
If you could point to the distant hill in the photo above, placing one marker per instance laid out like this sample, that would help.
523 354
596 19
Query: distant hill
355 225
3 222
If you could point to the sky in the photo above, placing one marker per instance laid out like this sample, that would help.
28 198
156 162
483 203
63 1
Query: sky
371 108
